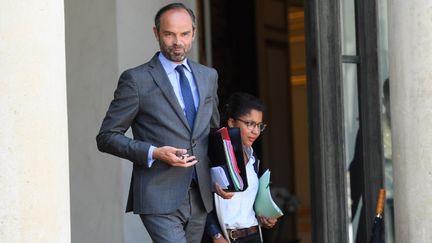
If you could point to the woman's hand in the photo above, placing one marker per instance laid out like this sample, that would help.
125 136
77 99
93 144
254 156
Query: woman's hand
267 223
223 194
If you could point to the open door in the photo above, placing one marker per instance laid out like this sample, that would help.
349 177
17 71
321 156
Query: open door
259 47
281 64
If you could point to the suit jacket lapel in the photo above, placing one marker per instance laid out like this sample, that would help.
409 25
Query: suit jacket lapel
199 80
162 81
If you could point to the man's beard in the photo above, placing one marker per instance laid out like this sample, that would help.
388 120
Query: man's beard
171 55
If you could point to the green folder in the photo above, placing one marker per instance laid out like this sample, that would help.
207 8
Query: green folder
264 204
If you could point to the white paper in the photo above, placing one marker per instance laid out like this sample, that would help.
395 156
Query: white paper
218 176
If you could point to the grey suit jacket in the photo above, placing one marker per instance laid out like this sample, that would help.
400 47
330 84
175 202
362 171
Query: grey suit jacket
145 101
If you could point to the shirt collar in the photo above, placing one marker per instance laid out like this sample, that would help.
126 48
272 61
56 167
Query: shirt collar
170 66
249 152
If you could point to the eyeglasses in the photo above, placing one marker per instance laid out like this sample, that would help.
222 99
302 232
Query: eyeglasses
251 125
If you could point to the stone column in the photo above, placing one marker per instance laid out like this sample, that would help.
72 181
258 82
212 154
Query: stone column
410 55
34 169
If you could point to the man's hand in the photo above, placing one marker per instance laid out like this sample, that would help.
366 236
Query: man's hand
223 194
174 156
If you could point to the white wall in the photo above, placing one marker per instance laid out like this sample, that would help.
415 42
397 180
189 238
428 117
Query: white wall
34 173
91 53
410 55
103 38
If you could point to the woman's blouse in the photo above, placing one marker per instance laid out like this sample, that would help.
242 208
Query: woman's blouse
238 212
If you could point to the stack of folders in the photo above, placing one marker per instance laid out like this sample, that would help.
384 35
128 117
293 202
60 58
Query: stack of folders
226 156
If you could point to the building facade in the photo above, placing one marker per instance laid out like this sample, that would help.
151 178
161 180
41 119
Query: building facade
319 65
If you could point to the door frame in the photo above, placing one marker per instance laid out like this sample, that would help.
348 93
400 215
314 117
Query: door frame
330 211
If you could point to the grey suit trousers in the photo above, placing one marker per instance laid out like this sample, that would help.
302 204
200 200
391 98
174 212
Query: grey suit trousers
185 225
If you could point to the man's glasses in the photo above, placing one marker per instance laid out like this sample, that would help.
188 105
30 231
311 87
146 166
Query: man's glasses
251 125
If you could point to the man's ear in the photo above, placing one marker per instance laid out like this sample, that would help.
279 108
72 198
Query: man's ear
231 122
156 33
194 33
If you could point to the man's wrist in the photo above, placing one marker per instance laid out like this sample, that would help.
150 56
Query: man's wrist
154 152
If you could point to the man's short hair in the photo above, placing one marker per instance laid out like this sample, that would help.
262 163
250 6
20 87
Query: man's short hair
174 6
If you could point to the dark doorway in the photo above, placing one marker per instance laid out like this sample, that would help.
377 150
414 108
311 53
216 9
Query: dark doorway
258 47
234 46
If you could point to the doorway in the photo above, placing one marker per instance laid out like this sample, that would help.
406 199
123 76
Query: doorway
258 47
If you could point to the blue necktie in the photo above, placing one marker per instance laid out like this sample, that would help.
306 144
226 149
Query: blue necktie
189 105
187 96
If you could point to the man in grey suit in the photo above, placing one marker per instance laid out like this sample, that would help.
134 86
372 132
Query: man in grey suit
170 103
